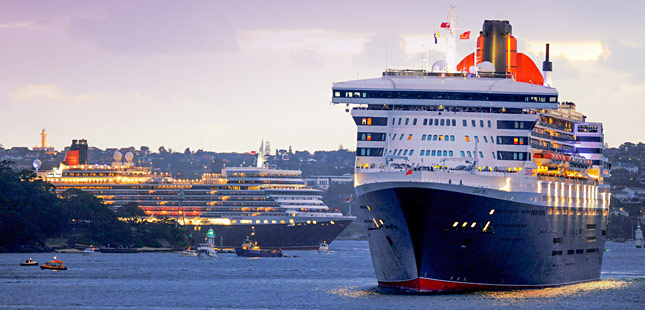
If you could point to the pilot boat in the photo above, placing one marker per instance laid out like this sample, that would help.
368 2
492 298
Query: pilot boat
55 264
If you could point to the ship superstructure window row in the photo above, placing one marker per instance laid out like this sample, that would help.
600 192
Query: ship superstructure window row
371 136
369 151
512 140
523 156
371 121
434 95
523 125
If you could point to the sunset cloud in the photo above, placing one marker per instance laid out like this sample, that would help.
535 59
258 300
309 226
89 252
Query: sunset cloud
29 91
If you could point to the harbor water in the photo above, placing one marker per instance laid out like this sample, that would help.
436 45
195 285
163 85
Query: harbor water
341 279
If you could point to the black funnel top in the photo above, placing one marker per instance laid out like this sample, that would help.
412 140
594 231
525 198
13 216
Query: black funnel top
495 33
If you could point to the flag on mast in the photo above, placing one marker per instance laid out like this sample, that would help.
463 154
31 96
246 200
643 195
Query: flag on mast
465 35
445 25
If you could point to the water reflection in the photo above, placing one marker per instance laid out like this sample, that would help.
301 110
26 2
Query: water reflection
558 292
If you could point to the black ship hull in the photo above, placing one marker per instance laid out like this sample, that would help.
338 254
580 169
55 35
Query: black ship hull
273 236
441 237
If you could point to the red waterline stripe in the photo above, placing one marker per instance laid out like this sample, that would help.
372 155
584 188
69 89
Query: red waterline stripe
430 285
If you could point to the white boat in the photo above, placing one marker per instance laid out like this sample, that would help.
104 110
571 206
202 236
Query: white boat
207 250
90 251
188 253
323 248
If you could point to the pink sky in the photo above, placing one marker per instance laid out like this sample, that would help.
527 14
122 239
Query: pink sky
227 74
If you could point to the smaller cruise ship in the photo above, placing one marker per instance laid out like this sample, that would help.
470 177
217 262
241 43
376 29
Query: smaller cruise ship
284 212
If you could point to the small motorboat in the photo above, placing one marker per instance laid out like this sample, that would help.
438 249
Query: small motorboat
55 264
90 251
188 253
250 248
29 262
323 248
207 254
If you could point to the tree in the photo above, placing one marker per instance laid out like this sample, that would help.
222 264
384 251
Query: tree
130 210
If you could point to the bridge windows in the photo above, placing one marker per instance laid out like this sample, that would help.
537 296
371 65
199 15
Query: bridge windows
523 125
503 155
370 121
512 140
371 136
369 151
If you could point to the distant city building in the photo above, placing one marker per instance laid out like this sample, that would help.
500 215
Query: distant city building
631 167
324 181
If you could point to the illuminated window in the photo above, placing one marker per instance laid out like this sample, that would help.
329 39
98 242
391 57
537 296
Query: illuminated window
440 137
369 137
410 137
467 138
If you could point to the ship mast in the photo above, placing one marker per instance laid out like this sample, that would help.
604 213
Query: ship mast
451 53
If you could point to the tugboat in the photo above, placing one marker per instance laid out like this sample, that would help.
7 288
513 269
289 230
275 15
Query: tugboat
250 248
29 262
55 264
323 248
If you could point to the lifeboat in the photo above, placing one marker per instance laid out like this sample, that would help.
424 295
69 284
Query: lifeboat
55 264
29 262
550 159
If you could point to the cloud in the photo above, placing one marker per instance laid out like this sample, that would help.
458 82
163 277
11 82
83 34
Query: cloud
306 58
158 27
626 57
44 90
301 39
572 50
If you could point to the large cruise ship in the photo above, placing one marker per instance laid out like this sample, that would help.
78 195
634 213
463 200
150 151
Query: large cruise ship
274 204
475 176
